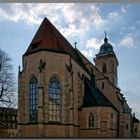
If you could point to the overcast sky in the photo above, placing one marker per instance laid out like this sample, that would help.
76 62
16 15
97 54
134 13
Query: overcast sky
84 23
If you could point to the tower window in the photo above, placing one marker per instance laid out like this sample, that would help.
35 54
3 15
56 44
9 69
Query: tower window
54 100
104 68
103 85
126 126
33 99
91 121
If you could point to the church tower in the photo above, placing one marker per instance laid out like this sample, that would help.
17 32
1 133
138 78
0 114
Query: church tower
106 61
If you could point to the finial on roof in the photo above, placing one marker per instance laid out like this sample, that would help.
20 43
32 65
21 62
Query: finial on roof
105 33
75 43
19 68
105 39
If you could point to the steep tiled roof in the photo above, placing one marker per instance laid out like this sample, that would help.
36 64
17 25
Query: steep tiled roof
48 38
93 96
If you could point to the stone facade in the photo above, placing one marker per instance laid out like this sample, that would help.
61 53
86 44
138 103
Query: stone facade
49 56
106 122
135 127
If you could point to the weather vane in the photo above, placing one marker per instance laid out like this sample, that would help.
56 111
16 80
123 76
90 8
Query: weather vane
105 39
105 33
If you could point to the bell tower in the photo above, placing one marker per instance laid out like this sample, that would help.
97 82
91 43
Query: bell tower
106 61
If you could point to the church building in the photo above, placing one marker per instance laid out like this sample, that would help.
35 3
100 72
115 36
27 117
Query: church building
62 94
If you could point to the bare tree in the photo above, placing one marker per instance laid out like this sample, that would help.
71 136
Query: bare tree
7 80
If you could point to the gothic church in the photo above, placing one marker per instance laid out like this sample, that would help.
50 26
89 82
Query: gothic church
62 94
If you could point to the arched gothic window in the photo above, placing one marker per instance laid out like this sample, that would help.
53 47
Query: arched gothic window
126 126
104 69
54 100
33 99
91 121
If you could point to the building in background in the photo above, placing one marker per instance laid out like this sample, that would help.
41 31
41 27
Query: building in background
62 94
8 122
